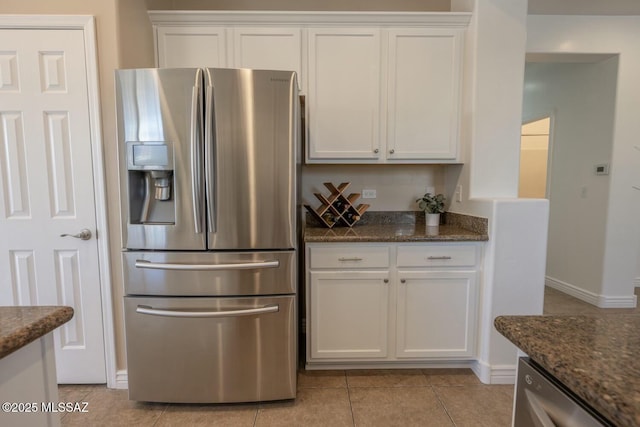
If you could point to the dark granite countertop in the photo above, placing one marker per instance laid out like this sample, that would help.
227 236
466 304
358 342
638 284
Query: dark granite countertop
21 325
401 227
596 357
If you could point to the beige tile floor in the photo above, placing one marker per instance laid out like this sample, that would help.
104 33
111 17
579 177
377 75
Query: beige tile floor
413 397
417 397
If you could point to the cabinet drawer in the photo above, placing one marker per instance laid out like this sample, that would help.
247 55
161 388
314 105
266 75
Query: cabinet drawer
348 257
439 255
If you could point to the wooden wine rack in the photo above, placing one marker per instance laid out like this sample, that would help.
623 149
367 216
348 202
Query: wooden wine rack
337 209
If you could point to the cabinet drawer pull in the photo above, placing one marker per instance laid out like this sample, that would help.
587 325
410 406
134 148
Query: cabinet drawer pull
386 280
403 281
438 257
350 259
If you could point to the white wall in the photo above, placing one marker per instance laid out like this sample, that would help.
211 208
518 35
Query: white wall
581 97
609 35
513 276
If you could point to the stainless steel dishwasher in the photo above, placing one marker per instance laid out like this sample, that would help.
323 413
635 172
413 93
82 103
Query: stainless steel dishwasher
541 401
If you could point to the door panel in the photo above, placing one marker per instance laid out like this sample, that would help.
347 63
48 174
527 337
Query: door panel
195 47
348 315
161 108
344 93
436 314
182 353
206 273
266 48
46 190
251 154
424 94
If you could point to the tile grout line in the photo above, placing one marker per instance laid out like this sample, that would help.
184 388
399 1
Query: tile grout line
353 417
446 411
84 398
255 416
166 406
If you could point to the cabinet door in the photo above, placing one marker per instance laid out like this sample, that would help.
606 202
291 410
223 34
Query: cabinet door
268 49
436 314
423 94
191 47
344 93
348 314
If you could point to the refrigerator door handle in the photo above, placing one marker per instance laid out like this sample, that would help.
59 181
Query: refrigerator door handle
209 158
196 160
143 309
140 263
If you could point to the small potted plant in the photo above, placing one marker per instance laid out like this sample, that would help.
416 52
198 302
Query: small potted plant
433 206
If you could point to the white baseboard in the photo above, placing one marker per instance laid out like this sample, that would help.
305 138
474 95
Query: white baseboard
601 301
499 374
496 374
122 380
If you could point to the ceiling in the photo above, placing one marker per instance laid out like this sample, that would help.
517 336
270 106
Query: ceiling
584 7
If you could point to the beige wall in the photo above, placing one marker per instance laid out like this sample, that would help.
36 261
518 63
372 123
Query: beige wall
533 167
382 5
534 152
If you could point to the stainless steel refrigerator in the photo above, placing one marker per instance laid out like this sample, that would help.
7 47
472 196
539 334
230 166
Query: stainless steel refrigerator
208 181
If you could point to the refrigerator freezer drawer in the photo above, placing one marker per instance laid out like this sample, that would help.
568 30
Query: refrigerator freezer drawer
211 350
209 274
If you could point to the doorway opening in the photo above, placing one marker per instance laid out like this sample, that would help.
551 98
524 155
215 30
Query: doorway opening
534 159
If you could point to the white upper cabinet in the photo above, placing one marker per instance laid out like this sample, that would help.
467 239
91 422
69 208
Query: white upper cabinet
268 48
423 100
201 46
344 93
384 95
381 87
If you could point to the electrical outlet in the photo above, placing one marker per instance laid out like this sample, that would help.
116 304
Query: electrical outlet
369 194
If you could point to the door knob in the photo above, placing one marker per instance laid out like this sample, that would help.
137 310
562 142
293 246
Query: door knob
84 234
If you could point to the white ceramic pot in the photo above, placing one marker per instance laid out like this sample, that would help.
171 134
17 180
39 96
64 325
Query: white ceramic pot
432 219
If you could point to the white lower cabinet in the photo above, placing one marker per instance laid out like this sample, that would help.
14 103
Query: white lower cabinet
349 315
435 314
385 304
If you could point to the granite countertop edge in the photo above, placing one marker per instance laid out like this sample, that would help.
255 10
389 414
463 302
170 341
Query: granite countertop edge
404 226
560 344
22 325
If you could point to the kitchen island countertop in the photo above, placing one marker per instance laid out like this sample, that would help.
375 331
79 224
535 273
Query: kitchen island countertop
401 227
21 325
595 356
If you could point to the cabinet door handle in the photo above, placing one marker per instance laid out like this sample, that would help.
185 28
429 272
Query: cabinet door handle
439 257
350 259
376 151
403 281
392 151
386 280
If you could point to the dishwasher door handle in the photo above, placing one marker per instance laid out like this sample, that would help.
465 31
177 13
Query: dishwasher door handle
144 309
140 263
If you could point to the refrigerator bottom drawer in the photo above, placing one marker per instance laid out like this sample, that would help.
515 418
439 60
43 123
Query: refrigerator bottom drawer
211 350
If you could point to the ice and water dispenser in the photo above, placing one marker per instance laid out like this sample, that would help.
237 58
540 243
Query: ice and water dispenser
150 167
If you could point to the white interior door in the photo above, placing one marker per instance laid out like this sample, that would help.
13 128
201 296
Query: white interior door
47 190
